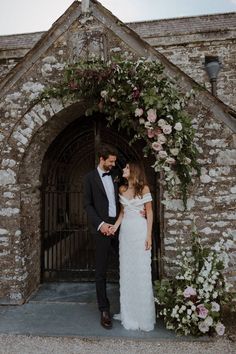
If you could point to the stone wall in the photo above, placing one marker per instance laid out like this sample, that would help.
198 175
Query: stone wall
186 41
212 200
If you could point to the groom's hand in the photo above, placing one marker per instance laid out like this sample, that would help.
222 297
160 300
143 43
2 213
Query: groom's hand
143 212
106 229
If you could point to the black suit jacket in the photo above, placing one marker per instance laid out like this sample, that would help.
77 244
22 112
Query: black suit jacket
95 199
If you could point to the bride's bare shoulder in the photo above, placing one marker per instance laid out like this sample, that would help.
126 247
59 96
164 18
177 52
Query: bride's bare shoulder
145 190
122 189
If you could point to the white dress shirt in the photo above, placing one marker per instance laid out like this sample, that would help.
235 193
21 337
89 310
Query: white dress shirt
110 192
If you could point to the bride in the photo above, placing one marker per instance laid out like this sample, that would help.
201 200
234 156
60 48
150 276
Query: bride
137 309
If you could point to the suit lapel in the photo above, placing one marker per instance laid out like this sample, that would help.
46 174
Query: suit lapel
97 179
116 191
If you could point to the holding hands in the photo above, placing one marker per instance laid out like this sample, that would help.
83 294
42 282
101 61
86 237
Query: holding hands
108 229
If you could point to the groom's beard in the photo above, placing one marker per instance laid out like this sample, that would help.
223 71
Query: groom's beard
107 168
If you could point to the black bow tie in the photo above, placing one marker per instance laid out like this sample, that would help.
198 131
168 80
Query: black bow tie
106 174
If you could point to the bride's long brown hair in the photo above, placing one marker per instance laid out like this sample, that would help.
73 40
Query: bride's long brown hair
137 177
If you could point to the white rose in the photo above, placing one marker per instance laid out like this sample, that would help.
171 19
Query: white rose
178 126
161 138
104 93
151 115
209 321
162 154
162 122
170 160
174 151
215 306
138 112
141 120
203 327
167 129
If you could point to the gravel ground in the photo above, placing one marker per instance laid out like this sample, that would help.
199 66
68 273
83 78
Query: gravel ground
19 344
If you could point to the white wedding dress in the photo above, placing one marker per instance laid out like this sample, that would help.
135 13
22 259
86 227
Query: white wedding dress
137 309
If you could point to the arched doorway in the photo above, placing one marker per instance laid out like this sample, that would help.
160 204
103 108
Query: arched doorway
67 246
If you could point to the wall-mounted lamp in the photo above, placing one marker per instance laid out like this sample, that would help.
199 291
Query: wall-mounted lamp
212 67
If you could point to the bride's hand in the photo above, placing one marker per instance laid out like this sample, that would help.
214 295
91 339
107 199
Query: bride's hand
113 229
148 244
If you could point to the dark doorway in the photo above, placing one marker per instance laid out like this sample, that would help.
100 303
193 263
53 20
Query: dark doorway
67 246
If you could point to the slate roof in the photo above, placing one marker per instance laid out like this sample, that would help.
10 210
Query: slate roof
146 29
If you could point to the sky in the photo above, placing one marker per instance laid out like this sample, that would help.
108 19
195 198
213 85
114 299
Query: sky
22 16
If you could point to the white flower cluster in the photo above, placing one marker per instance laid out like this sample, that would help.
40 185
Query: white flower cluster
166 149
198 290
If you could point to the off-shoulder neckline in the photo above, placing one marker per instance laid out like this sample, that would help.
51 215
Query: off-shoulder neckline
134 197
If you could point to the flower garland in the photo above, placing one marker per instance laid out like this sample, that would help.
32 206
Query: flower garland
138 96
191 303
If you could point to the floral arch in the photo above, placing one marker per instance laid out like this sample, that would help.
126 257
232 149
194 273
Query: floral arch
140 98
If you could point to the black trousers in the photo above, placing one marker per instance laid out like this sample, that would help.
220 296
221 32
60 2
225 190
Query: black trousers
104 246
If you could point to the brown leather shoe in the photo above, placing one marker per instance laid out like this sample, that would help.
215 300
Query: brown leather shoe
106 320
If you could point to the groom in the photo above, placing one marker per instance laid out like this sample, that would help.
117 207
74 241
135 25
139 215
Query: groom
102 207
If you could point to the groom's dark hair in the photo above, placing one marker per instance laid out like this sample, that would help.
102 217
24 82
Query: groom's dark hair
105 151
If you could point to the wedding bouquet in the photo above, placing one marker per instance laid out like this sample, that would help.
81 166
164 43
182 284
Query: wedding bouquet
191 303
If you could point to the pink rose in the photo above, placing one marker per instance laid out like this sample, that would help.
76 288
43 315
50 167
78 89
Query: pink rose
151 115
156 146
158 131
151 133
202 311
189 291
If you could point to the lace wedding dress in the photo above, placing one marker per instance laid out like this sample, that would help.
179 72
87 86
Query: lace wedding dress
137 309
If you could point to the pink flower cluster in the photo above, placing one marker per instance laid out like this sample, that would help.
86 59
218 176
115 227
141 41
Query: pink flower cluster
158 132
